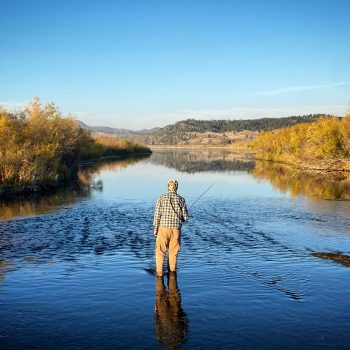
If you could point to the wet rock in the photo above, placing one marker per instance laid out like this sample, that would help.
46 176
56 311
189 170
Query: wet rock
338 257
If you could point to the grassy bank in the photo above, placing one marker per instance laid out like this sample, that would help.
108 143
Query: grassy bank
94 147
322 145
40 148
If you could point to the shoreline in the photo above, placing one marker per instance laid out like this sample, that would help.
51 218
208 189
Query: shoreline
312 166
111 157
329 166
226 146
8 192
186 147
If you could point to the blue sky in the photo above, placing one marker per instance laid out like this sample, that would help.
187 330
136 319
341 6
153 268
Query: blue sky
141 64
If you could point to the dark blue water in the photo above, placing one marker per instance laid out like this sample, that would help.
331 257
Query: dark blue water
76 266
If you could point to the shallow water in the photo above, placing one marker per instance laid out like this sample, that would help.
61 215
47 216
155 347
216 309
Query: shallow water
76 266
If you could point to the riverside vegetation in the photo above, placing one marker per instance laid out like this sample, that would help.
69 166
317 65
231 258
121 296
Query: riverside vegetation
321 145
40 148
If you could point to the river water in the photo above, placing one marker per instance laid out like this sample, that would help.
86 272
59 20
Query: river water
76 267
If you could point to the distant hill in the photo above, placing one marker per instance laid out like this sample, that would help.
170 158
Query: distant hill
205 132
110 130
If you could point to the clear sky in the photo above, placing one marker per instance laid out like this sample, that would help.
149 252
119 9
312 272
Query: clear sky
141 64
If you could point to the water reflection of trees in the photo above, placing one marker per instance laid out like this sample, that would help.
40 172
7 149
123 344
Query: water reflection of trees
89 170
67 195
38 204
193 161
330 186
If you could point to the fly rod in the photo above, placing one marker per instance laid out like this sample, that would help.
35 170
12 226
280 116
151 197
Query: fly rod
201 195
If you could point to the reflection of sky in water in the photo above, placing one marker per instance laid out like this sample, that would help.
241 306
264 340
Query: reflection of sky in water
146 181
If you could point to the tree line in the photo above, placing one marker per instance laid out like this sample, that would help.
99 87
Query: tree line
39 146
320 142
262 124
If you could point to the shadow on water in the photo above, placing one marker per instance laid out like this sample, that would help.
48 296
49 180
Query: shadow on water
170 321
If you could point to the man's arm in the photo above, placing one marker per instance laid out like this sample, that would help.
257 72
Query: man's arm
157 215
184 212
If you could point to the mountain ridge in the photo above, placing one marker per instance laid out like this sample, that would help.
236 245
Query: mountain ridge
204 132
109 129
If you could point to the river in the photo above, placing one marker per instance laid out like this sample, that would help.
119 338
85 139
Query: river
76 266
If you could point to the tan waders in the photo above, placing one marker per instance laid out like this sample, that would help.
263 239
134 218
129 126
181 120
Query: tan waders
167 239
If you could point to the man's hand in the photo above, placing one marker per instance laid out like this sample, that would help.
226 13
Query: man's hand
155 232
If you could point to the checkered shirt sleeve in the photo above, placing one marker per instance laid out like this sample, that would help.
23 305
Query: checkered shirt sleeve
170 211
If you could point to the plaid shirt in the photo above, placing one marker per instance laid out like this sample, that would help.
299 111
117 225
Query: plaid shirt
170 211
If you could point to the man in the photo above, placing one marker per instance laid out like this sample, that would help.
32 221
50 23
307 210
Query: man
169 214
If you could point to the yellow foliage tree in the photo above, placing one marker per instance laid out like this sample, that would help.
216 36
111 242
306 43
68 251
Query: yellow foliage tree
327 139
40 146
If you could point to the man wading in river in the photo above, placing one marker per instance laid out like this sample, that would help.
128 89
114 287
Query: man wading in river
169 214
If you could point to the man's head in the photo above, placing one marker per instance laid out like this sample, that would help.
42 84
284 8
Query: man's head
172 185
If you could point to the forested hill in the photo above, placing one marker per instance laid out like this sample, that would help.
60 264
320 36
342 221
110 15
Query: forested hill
263 124
214 132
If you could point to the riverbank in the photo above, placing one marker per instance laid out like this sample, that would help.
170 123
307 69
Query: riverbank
75 183
312 166
320 146
41 149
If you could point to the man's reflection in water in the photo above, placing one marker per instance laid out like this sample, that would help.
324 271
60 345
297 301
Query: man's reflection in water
171 323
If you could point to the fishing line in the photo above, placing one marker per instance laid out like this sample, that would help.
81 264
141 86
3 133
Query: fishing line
201 195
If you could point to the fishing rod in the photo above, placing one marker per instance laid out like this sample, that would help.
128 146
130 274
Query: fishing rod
201 195
190 260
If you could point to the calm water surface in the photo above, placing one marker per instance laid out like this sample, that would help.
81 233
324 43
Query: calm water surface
76 266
